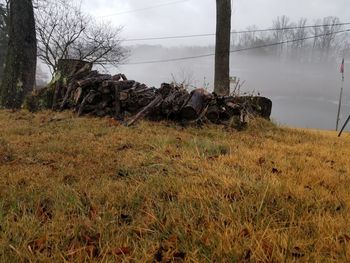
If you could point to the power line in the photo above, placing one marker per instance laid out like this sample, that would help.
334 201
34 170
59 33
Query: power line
236 50
233 32
145 8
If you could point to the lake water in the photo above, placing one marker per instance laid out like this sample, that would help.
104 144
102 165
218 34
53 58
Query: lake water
303 94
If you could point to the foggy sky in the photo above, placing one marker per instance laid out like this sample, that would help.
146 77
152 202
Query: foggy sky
198 16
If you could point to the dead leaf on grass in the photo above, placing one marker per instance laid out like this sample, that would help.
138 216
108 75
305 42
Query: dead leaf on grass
121 251
38 245
112 122
245 233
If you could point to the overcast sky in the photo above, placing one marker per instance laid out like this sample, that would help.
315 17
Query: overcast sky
198 16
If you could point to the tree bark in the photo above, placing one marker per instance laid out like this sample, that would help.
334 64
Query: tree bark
222 48
19 73
3 38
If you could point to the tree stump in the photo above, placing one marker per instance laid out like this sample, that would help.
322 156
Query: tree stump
213 113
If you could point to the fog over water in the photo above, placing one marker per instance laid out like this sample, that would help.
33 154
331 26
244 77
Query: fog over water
303 94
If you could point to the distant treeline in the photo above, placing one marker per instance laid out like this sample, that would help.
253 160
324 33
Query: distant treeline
302 45
327 47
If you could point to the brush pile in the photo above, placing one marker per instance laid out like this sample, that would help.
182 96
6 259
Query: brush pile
92 93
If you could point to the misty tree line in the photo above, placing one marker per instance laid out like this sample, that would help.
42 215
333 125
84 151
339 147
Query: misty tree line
328 47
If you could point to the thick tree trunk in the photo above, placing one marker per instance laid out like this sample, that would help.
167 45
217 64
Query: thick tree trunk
3 38
222 48
19 73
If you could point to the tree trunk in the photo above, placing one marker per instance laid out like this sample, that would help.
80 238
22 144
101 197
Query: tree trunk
19 73
3 38
222 48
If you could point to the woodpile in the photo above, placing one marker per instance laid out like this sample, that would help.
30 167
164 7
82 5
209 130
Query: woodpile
88 92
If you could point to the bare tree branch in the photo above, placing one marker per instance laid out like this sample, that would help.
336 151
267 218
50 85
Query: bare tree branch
64 31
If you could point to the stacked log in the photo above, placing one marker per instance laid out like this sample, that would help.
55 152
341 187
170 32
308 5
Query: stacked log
196 105
255 105
87 91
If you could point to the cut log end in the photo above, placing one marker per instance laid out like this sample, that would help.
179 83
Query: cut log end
213 114
189 113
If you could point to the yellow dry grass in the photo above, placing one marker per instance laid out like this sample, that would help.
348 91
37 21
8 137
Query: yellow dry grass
90 190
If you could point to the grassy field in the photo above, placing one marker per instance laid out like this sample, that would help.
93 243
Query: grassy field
91 190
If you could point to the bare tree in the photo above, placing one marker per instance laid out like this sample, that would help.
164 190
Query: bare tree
19 73
299 33
298 49
327 42
222 48
248 39
65 32
280 34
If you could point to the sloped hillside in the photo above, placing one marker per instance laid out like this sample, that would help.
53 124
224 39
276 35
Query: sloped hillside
91 190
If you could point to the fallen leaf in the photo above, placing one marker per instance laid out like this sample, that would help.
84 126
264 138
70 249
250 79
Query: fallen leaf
38 245
93 212
121 251
113 122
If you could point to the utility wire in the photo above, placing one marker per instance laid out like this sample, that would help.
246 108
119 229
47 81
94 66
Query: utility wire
233 32
145 8
236 50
